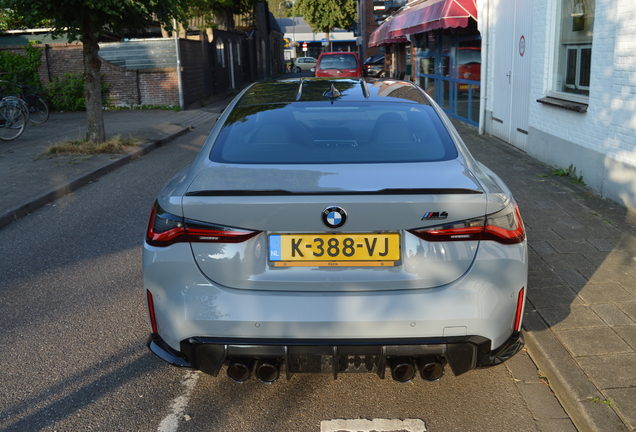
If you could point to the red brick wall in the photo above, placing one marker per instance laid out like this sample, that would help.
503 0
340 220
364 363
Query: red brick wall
159 87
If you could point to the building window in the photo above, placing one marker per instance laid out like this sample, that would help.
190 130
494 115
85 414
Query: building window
574 47
220 53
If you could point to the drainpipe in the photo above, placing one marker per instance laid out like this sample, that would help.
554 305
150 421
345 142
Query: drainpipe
180 82
484 64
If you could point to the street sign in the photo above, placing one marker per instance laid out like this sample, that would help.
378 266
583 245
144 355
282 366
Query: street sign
304 46
324 41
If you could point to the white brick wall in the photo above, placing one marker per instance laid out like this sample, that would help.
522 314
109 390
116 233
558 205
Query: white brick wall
608 128
612 102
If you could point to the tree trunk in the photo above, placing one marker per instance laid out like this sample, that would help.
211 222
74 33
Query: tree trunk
95 130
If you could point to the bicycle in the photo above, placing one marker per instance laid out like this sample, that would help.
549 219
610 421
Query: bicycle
33 105
12 120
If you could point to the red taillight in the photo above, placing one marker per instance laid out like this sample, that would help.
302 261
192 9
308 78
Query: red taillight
504 227
151 311
519 313
165 229
201 232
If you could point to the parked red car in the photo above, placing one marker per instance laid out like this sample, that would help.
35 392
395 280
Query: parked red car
338 64
468 66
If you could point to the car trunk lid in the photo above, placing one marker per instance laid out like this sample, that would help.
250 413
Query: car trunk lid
378 199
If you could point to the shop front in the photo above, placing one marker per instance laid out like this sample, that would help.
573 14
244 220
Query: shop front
446 44
449 69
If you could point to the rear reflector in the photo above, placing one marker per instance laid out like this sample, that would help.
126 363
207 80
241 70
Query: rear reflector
151 311
519 314
504 227
165 229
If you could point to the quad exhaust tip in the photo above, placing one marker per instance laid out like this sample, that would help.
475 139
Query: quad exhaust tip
267 370
240 370
403 370
431 370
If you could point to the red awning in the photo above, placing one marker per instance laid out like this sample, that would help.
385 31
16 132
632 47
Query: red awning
381 35
431 15
422 16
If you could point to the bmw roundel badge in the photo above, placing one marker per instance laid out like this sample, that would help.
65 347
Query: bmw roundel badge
334 217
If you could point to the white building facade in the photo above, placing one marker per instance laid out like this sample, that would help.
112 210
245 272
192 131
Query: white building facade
561 85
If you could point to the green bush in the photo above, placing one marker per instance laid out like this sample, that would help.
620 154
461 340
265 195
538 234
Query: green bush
66 92
21 69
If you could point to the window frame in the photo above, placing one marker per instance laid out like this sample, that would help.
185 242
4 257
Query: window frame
559 58
577 67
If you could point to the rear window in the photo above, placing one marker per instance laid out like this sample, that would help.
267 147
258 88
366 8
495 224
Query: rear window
318 133
338 61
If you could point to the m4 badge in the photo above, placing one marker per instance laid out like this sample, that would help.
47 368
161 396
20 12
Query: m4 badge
435 216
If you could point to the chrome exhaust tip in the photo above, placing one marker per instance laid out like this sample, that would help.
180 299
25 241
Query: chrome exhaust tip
403 370
240 370
267 370
431 370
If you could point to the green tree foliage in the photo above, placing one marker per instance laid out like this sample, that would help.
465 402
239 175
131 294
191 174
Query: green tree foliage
280 8
325 15
86 20
210 9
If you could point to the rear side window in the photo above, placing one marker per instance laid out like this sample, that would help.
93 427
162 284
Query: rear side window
318 133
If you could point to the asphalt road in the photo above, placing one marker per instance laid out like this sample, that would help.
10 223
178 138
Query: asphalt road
73 328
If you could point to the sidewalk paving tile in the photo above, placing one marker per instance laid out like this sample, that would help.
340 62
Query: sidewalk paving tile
611 370
606 292
570 317
622 400
599 341
612 315
560 295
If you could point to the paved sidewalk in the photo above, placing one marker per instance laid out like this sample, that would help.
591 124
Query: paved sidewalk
29 179
581 311
580 315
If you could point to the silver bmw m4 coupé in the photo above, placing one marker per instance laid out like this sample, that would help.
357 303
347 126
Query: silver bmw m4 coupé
334 226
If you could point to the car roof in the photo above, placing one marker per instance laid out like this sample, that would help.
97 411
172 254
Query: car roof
344 90
339 53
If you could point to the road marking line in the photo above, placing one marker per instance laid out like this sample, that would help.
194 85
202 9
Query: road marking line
375 425
170 423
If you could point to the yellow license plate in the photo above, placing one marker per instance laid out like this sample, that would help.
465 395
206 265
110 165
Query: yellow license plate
333 250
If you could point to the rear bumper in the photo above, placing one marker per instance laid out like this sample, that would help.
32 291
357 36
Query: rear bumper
462 354
483 302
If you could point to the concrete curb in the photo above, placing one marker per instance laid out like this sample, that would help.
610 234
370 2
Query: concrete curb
578 395
52 194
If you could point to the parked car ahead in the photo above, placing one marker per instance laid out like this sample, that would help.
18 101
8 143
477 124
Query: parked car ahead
330 226
374 66
338 64
304 64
